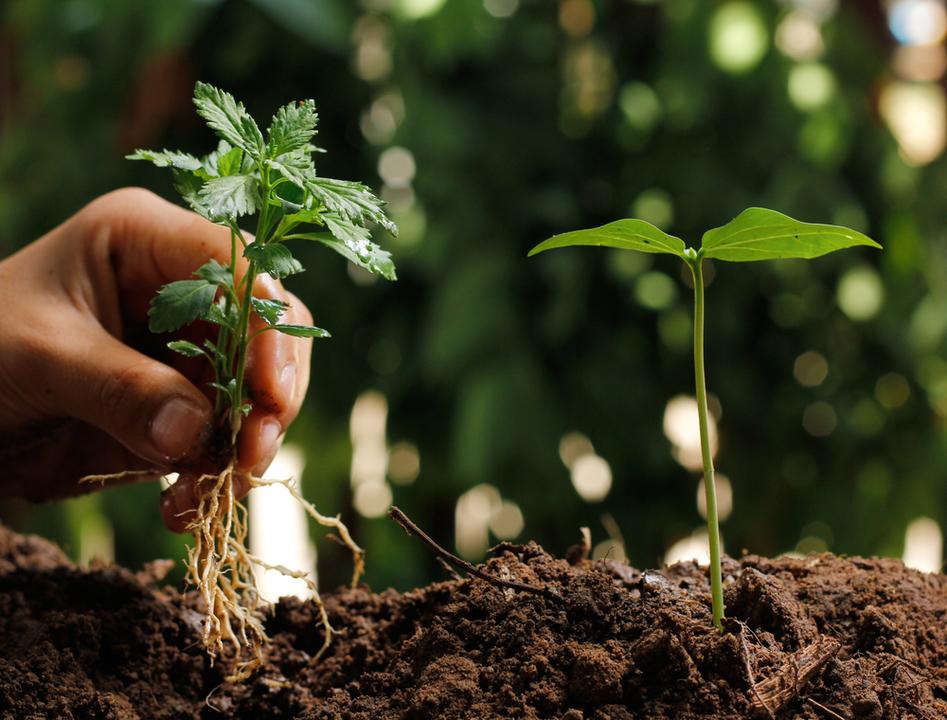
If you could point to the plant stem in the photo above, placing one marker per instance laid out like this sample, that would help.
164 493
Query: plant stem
713 528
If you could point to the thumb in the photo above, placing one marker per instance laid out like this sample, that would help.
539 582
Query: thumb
147 406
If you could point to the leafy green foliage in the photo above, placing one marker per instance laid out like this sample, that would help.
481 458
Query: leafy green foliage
761 234
623 234
292 128
167 158
275 180
273 258
305 331
269 310
180 303
755 234
183 347
352 243
231 196
229 118
351 200
213 271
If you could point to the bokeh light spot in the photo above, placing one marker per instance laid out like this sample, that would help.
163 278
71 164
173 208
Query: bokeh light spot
738 37
655 290
819 419
810 369
591 477
860 293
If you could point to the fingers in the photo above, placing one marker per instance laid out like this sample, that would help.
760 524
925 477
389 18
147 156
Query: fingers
278 376
147 406
151 242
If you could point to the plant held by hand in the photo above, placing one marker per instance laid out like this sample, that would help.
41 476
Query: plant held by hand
755 234
273 178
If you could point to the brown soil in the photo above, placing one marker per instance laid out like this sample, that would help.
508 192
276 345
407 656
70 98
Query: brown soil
820 638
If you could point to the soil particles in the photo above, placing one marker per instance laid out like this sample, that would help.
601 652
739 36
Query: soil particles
820 637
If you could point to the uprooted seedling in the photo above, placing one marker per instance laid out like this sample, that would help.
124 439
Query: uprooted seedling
274 179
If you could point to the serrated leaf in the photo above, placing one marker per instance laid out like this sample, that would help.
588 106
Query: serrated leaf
295 167
229 118
353 201
761 234
167 158
230 162
353 243
269 310
183 347
230 197
626 234
213 271
292 128
218 314
302 331
180 303
273 258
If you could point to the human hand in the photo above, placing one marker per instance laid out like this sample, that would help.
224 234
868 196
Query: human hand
86 389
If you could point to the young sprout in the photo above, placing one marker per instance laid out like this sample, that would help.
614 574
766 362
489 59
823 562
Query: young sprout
273 178
755 234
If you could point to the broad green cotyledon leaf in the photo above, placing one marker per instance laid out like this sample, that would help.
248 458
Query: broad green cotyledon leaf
623 234
761 234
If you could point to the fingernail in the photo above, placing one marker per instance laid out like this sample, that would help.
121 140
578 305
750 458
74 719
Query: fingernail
177 427
269 435
287 380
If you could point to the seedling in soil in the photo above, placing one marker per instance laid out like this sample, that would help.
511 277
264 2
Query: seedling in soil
755 234
273 179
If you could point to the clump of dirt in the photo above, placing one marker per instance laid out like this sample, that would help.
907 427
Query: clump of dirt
818 638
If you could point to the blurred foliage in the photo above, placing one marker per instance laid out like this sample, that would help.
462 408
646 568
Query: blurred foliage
526 119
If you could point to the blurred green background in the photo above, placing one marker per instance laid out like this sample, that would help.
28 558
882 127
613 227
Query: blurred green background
492 396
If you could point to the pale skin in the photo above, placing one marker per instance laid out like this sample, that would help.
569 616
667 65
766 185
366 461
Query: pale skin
85 389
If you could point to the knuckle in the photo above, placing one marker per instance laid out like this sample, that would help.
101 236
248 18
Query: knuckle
120 394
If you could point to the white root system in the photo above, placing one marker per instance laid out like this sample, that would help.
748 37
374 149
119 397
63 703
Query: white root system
220 568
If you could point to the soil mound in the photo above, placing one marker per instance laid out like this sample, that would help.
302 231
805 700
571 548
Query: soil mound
820 638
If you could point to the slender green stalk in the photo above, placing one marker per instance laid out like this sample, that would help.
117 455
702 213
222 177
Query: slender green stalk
713 529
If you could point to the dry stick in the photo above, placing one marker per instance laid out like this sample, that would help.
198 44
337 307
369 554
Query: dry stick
774 692
750 677
409 527
828 711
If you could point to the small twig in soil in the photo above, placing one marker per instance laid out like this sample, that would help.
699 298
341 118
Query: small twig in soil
774 692
828 711
749 674
409 527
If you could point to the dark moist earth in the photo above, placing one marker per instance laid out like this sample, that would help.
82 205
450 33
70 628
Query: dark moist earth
821 637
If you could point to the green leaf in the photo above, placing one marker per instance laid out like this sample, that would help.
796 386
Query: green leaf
213 271
760 234
302 331
219 315
230 389
229 118
214 350
292 128
353 201
230 162
623 234
179 303
273 258
167 158
230 197
352 243
269 310
185 348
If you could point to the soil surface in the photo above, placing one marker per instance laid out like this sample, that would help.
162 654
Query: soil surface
820 638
